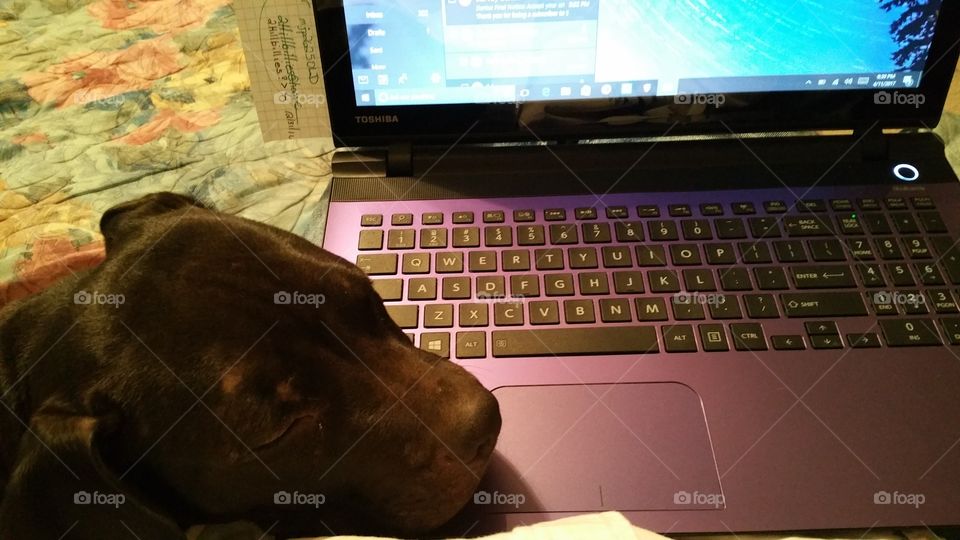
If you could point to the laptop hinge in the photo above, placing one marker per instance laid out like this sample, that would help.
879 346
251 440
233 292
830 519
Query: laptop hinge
874 145
400 159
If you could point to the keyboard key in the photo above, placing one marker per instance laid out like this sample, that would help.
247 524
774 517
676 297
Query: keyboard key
678 338
438 316
449 263
401 239
761 306
422 289
401 220
575 341
730 229
696 229
371 220
651 309
592 283
629 231
860 249
775 207
764 227
530 235
923 203
515 260
491 287
932 222
789 251
687 307
501 236
555 214
711 209
563 234
770 278
526 286
869 204
548 259
728 308
437 343
685 255
877 223
754 253
849 224
720 254
663 281
825 304
558 284
494 216
473 315
917 248
618 212
699 280
909 332
896 203
744 208
615 310
841 205
787 343
929 274
370 240
863 341
807 225
379 264
748 337
826 250
389 289
583 258
822 276
404 316
617 257
482 261
904 223
585 213
648 255
432 218
578 311
713 338
900 275
544 312
735 279
433 238
463 218
628 282
524 216
882 304
456 288
662 231
508 314
821 328
942 301
596 233
648 211
951 328
679 210
471 345
416 263
826 342
466 237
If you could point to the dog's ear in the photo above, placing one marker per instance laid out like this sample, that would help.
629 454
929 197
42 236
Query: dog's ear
120 221
61 486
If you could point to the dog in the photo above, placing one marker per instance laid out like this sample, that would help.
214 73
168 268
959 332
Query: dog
213 369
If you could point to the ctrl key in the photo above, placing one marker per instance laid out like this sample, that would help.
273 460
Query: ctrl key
405 316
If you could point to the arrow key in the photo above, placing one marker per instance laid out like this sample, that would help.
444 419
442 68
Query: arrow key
787 343
826 342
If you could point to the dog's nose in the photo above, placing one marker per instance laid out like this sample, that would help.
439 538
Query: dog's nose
479 428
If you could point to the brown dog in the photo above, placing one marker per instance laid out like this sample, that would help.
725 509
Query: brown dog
214 368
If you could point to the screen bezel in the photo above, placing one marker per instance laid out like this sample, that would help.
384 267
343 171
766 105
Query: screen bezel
565 120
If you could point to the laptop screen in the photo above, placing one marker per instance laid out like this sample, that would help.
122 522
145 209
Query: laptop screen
435 52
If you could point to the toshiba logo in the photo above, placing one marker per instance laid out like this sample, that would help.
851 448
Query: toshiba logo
378 119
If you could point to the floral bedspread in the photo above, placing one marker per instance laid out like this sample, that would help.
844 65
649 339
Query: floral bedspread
103 101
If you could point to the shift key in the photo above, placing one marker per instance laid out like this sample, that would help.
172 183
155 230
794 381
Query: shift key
823 304
823 276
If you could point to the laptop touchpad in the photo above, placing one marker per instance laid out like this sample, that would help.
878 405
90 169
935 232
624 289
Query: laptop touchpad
601 447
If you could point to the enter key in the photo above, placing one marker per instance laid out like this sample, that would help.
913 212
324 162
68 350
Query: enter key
823 276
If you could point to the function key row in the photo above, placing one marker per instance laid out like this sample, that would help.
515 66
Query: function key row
654 211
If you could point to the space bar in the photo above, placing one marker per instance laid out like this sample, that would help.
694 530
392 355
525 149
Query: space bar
575 341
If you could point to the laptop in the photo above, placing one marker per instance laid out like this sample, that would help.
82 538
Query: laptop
703 253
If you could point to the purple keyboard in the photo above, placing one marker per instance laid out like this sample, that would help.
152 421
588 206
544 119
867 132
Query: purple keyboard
652 273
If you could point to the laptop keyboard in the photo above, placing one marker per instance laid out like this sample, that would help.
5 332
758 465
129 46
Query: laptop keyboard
678 278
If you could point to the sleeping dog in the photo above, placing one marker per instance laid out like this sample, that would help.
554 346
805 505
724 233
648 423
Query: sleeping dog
214 368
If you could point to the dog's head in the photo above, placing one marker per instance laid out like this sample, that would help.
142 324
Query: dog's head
241 370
